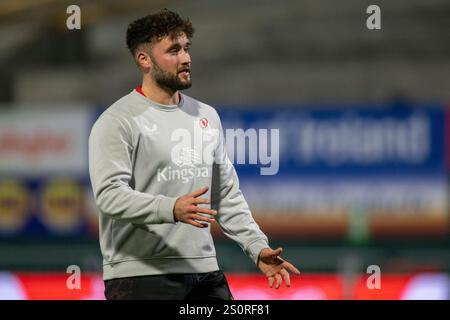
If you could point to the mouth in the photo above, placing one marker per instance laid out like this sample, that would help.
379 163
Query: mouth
185 72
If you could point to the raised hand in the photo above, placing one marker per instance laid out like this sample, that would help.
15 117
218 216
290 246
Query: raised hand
186 209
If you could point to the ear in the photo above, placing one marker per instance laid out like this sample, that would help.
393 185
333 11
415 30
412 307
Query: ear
143 60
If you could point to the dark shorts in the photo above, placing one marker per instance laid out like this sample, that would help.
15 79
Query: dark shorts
199 286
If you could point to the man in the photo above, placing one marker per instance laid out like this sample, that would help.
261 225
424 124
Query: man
158 194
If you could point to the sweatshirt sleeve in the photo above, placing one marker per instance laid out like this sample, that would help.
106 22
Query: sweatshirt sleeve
110 170
233 214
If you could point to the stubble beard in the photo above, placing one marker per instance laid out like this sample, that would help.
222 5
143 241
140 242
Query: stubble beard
167 80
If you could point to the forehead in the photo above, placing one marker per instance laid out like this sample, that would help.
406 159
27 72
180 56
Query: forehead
170 40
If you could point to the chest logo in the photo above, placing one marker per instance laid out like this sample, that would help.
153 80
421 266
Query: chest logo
203 122
150 130
187 157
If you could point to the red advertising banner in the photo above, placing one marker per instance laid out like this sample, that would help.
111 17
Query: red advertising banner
53 286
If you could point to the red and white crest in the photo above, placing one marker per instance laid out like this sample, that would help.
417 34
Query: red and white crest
203 122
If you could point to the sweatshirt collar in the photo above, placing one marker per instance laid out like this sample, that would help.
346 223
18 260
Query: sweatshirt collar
163 107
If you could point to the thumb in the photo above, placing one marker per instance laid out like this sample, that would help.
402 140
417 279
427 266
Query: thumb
277 252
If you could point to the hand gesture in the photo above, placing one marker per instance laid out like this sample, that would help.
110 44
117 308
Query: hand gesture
275 268
186 209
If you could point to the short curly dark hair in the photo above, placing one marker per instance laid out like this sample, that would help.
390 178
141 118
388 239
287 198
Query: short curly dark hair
156 26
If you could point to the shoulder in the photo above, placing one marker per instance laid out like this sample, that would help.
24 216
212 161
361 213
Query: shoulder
120 112
122 108
116 117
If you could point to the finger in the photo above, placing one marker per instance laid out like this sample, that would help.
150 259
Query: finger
207 211
271 280
278 281
200 201
289 267
286 278
202 218
199 192
197 209
196 224
191 209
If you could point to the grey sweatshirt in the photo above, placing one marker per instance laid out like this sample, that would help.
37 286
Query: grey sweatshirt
142 157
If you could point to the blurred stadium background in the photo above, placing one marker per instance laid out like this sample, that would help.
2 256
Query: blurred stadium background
363 119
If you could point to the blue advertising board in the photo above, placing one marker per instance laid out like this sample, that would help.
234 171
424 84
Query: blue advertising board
347 141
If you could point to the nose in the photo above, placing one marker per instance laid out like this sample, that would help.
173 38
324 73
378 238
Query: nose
185 58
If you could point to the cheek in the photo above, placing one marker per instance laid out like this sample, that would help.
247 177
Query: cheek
170 62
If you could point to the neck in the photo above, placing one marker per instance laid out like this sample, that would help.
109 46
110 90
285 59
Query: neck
158 94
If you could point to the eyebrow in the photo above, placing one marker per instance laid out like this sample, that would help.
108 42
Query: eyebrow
177 46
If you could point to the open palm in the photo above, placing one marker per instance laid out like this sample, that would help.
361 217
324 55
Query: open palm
275 268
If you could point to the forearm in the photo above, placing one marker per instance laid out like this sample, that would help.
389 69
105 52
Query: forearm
122 203
234 216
